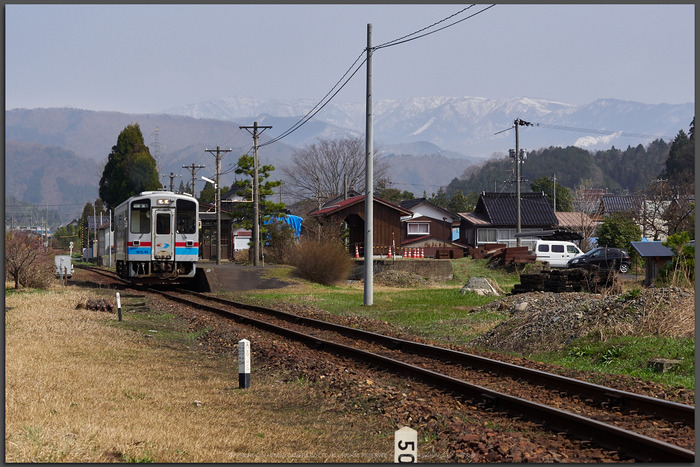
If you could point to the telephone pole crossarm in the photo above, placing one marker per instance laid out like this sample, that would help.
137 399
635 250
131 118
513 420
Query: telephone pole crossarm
257 130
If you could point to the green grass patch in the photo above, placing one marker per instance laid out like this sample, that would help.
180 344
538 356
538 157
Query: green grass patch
443 314
161 326
630 356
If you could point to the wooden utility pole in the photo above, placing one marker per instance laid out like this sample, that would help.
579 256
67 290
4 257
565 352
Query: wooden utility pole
193 170
256 186
218 153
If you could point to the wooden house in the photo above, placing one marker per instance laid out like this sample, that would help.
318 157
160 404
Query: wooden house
430 227
387 222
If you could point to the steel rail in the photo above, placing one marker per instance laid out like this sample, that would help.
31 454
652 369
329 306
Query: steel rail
637 446
604 396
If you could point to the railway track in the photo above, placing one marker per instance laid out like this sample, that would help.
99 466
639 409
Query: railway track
642 427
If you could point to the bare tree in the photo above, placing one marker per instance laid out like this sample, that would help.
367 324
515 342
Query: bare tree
321 169
26 260
657 197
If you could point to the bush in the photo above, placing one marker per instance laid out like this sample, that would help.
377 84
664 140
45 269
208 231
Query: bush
280 244
324 262
27 262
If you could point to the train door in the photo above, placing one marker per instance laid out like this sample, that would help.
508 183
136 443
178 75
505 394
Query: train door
163 238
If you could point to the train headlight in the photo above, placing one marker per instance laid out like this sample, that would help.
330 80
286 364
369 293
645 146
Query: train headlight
162 202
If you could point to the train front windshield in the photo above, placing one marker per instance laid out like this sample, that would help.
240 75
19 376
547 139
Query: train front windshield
186 216
140 216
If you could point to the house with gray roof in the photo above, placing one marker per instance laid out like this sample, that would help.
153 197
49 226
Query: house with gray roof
494 219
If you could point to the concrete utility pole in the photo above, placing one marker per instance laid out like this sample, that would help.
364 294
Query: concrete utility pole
518 158
256 195
193 170
218 154
369 182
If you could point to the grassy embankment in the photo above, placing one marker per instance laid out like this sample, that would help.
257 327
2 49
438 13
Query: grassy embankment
82 387
442 313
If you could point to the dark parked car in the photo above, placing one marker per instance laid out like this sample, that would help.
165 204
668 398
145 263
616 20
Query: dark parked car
604 258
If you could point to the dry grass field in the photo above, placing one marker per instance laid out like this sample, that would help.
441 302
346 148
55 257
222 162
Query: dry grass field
81 387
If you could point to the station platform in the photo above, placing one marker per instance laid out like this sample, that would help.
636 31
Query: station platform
232 277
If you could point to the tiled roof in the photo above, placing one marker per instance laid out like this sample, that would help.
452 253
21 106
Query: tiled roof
573 219
351 202
474 218
501 209
620 203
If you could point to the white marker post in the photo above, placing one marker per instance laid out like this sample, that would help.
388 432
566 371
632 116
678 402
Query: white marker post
244 364
119 307
406 446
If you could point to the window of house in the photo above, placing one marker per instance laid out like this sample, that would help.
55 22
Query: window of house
415 228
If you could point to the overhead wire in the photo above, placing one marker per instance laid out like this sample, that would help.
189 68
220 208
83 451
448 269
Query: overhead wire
321 104
403 40
333 92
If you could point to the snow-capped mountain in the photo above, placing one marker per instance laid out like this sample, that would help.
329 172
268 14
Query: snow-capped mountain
471 126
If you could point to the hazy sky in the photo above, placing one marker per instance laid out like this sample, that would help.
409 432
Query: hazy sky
148 58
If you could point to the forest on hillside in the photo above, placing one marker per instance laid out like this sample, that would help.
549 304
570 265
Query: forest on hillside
619 171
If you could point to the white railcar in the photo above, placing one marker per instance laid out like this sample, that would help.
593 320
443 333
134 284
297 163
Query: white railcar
156 236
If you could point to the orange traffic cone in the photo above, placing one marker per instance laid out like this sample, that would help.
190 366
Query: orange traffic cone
389 255
422 253
357 252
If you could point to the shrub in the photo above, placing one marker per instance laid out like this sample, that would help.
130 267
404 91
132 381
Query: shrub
26 261
280 243
324 262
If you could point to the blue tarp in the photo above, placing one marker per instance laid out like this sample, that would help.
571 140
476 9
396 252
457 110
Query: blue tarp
293 221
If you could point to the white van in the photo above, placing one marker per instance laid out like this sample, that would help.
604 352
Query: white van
556 253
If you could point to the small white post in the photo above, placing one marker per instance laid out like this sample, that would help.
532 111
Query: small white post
406 446
244 364
119 307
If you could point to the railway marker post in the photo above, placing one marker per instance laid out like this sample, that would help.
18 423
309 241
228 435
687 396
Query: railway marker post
119 307
244 364
406 446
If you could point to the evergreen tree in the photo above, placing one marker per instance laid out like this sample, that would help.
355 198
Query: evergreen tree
243 213
680 165
564 196
130 169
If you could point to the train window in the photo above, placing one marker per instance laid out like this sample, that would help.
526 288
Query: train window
140 214
186 216
163 223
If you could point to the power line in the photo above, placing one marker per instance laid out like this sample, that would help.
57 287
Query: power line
319 105
323 102
401 41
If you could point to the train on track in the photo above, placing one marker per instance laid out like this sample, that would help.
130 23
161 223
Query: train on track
156 237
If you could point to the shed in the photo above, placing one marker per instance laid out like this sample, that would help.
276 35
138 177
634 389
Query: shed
387 222
655 255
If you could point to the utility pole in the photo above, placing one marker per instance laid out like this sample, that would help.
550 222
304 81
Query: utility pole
172 178
369 181
193 170
518 158
256 195
218 155
554 190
